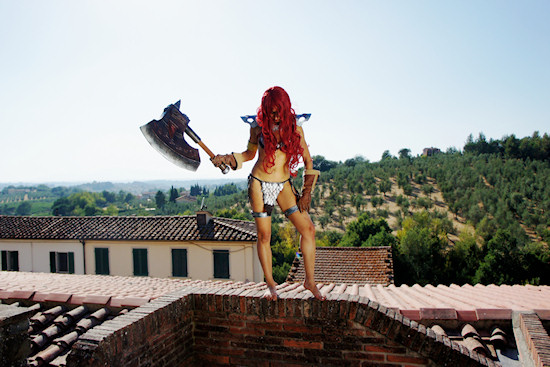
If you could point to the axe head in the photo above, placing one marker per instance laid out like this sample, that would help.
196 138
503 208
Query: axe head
167 136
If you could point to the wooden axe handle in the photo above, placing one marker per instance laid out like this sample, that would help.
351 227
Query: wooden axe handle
198 140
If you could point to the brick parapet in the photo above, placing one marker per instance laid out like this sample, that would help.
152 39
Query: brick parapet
15 344
159 333
536 338
238 327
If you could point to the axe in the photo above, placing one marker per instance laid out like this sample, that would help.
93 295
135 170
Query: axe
167 136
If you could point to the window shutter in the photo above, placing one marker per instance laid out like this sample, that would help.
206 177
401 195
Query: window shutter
221 264
71 262
14 260
140 262
52 263
179 262
101 261
4 260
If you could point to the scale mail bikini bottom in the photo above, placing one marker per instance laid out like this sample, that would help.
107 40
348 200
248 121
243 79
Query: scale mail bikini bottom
270 192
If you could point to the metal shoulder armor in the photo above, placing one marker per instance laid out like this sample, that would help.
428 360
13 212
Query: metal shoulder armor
251 119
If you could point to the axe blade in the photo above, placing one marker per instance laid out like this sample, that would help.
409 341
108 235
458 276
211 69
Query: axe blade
167 136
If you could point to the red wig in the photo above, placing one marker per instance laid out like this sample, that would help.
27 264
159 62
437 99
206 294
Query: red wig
277 98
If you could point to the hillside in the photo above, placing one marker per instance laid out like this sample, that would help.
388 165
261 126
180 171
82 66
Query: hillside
387 207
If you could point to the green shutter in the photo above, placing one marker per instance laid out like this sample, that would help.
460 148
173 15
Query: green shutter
140 262
14 260
71 262
221 264
4 260
179 262
52 263
101 261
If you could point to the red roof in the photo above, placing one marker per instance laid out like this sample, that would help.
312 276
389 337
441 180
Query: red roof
433 304
144 228
348 265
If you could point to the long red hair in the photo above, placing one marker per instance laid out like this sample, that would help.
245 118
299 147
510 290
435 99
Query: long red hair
277 98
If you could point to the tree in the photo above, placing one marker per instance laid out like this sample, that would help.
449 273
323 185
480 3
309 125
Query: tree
386 155
173 194
427 189
502 263
405 154
418 254
24 208
376 201
384 186
359 232
407 189
462 260
160 199
109 196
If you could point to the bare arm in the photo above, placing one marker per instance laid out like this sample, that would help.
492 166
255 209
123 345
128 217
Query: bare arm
308 162
252 146
235 160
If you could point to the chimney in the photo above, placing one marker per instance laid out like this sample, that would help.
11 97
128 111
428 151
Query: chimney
203 218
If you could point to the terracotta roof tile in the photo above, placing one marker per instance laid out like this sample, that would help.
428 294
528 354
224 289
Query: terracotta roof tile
52 330
349 265
157 228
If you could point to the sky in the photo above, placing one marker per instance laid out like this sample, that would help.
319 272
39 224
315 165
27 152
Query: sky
78 78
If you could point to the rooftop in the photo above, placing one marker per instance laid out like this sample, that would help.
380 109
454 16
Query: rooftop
66 307
142 228
348 265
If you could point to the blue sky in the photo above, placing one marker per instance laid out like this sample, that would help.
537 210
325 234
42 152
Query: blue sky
78 78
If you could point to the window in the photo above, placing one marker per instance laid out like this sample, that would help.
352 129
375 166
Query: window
140 262
62 262
179 262
10 260
221 264
101 261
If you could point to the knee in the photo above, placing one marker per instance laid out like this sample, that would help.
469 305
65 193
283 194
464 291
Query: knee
264 237
309 231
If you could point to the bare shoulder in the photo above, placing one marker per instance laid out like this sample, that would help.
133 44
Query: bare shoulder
254 133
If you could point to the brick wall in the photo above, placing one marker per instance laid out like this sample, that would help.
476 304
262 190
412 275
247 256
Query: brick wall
198 328
15 344
538 341
159 333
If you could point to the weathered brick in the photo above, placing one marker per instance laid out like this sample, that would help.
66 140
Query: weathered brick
302 344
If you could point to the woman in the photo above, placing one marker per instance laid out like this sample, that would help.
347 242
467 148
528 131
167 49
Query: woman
281 145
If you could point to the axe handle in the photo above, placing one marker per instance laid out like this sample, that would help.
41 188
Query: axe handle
198 140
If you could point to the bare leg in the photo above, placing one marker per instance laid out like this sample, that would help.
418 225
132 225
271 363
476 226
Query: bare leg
263 228
305 227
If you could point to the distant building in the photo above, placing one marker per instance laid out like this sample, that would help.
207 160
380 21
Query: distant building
195 247
428 152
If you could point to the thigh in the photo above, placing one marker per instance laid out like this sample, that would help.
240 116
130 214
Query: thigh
286 200
255 196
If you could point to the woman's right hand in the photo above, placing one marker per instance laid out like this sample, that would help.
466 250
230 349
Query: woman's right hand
224 159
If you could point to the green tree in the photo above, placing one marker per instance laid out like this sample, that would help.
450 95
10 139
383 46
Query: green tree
502 263
359 232
462 260
173 194
160 199
405 154
384 186
23 208
418 254
386 155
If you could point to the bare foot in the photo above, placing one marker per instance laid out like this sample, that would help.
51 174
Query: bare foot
312 287
271 293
